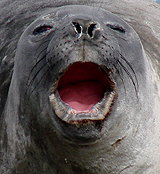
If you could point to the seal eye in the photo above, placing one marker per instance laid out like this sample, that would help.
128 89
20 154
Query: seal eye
41 29
116 27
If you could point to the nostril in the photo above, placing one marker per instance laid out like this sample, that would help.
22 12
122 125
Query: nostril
77 28
91 29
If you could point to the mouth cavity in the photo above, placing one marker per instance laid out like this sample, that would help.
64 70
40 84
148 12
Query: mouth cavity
82 86
86 91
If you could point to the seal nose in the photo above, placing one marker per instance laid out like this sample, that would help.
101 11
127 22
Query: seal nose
91 29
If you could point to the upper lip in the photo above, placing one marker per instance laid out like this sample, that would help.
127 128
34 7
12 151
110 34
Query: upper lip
86 92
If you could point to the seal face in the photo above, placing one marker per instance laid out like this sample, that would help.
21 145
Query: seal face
81 97
83 59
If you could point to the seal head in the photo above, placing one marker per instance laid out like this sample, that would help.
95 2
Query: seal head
82 97
86 62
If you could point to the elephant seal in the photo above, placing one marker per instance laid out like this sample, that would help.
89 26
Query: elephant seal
84 97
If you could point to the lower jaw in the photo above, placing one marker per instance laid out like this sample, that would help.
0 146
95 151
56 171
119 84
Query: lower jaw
72 116
77 127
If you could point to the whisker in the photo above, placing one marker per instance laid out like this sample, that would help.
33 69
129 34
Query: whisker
47 71
36 66
42 44
30 81
130 76
131 69
41 53
120 74
134 82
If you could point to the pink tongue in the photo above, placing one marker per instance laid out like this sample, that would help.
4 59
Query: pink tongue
82 96
82 86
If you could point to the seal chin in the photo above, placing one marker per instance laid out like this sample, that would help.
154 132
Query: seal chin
84 94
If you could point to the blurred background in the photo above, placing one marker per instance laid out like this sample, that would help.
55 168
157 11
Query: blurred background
158 1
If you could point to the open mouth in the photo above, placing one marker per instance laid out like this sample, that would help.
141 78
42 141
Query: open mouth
85 91
82 86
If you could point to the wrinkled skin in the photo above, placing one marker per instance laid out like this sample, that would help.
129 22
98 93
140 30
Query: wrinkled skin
34 139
